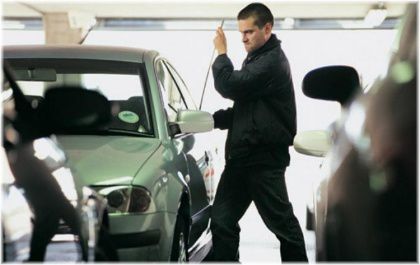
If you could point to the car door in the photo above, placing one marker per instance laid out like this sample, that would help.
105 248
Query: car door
176 97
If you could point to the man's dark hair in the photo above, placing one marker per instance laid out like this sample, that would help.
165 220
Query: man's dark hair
259 12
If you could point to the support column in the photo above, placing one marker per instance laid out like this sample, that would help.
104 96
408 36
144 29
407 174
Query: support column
58 30
66 27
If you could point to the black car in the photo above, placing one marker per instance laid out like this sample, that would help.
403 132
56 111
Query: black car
365 206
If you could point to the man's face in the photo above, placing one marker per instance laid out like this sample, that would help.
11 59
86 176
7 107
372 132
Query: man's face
252 36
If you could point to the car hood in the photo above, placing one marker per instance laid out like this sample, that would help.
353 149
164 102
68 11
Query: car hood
107 160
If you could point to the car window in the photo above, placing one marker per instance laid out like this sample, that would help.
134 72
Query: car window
172 98
120 82
182 87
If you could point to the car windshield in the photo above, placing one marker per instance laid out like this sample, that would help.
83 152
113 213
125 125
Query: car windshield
121 83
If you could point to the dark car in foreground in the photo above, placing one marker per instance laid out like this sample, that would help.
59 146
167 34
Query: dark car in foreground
149 162
60 207
365 206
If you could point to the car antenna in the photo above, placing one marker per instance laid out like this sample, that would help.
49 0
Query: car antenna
82 40
208 70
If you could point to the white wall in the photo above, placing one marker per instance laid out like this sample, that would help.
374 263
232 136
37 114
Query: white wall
190 53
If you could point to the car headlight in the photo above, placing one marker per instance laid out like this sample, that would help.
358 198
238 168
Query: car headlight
127 199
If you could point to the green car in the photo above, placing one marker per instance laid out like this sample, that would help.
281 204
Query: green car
155 171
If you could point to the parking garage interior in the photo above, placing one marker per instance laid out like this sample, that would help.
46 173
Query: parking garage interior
313 34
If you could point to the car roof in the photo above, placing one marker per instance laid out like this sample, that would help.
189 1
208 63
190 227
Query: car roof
94 52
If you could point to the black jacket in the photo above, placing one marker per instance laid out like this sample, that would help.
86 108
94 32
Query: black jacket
262 121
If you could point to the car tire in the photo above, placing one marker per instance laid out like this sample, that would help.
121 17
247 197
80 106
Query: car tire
179 251
105 249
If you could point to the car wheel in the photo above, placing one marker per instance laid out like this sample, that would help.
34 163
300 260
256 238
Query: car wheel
105 249
179 251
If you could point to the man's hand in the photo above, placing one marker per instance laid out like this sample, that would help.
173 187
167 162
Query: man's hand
220 41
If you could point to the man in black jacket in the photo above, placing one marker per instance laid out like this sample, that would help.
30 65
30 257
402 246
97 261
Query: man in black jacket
261 126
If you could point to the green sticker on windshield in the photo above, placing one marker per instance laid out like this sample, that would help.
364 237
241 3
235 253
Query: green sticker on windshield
128 116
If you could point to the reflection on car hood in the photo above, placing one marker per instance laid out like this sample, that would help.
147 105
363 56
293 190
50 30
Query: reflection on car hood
107 160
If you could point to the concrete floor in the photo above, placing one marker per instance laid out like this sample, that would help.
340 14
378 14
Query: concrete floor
259 245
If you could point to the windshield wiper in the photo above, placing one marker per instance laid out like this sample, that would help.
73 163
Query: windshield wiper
125 132
107 132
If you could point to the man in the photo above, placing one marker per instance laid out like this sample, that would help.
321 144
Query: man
261 126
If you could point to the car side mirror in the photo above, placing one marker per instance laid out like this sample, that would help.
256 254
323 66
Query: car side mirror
192 121
312 143
337 83
73 108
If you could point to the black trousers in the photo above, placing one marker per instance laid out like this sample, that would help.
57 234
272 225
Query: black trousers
237 188
47 200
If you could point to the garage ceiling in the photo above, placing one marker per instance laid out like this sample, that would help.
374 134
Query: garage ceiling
197 9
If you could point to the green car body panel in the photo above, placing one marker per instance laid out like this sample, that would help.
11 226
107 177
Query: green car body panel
172 168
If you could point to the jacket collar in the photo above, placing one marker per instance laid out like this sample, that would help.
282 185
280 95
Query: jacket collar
271 43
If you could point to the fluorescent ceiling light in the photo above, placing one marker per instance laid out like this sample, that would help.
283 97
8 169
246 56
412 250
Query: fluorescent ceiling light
288 23
78 19
12 24
375 17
